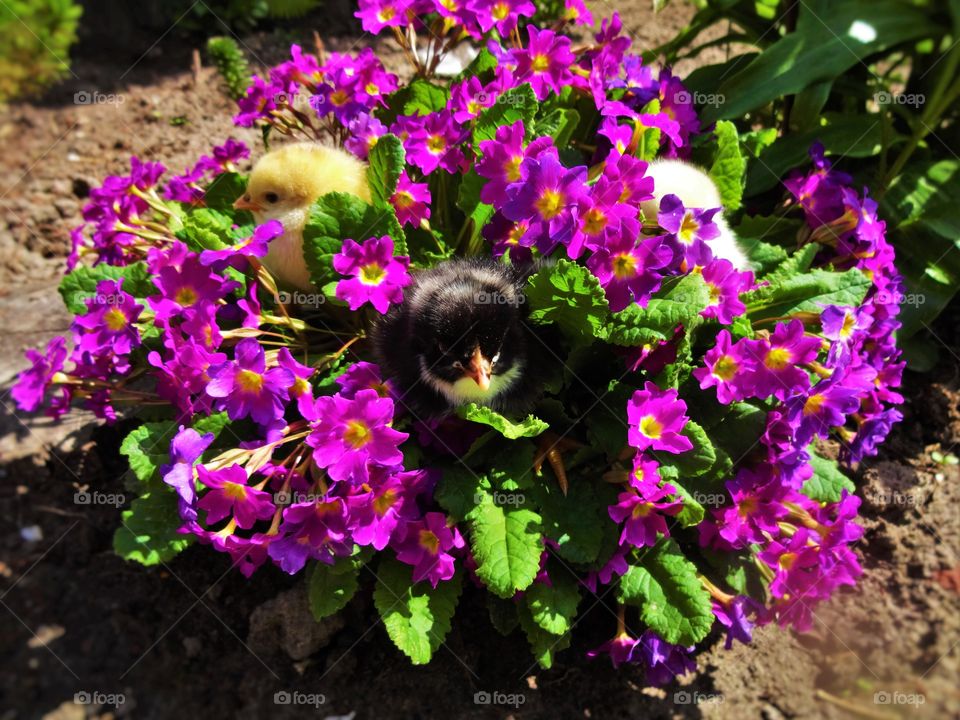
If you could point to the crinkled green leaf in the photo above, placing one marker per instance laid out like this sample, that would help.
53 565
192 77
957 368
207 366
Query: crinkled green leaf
330 587
385 165
223 192
681 305
519 103
553 606
808 292
530 426
149 534
543 645
336 217
699 459
206 229
417 617
570 296
672 601
728 165
147 448
575 521
81 283
827 482
485 62
506 543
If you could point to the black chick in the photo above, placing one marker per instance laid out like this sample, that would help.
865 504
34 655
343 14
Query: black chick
459 336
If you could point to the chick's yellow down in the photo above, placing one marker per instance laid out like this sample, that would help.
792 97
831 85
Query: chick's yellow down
283 185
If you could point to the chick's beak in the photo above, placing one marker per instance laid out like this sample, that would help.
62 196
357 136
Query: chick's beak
245 203
480 370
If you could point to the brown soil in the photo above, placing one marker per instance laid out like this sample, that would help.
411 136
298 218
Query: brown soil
193 637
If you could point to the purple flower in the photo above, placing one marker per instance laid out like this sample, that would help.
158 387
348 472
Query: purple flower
246 388
109 325
689 229
375 15
435 142
621 649
362 376
469 98
315 530
229 494
545 62
301 390
502 14
254 246
733 616
842 324
185 449
664 661
777 368
725 285
656 418
426 544
627 269
376 276
32 383
365 130
376 513
411 201
347 434
642 514
724 368
829 402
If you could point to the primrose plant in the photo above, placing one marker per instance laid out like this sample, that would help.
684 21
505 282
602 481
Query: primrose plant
684 460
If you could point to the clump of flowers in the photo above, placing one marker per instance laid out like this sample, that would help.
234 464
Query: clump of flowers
692 379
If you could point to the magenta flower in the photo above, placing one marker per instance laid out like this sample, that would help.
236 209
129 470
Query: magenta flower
362 376
229 494
502 14
733 616
621 649
656 418
31 386
301 390
376 514
842 324
725 285
642 514
664 661
689 229
829 402
376 276
316 530
601 218
185 449
246 388
256 246
547 198
545 62
186 286
758 507
426 544
501 161
348 434
109 325
725 368
469 98
365 130
434 142
645 473
777 368
627 269
411 201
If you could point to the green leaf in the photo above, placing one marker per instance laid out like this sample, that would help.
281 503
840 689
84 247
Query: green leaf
808 292
560 124
740 430
554 606
701 458
485 62
222 193
336 217
330 587
681 305
543 645
570 296
506 543
422 98
81 283
205 229
385 166
823 47
576 521
147 448
827 482
670 597
503 614
417 617
728 165
530 426
519 103
692 511
458 489
149 532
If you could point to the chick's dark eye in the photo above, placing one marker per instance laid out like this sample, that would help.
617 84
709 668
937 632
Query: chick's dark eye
271 197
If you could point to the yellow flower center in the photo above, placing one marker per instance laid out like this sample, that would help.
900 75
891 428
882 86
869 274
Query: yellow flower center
372 89
115 319
725 368
813 404
517 232
641 510
358 433
429 541
436 144
339 98
372 274
849 323
778 358
594 221
386 13
688 229
185 296
300 386
385 502
249 381
511 168
651 427
624 266
539 63
500 11
787 560
235 491
550 204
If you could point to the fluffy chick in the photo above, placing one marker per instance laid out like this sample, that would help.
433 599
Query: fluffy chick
695 189
459 337
283 185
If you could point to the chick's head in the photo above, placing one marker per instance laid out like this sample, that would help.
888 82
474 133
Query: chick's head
286 182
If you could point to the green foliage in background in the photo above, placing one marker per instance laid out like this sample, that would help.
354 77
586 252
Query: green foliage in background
35 40
231 63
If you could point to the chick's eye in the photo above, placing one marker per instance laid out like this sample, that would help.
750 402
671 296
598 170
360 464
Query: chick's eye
495 359
457 365
271 197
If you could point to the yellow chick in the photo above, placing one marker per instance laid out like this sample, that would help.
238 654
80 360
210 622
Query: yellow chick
696 189
283 185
